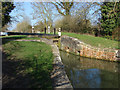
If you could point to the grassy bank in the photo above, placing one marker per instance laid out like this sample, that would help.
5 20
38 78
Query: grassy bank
94 41
29 37
30 63
14 36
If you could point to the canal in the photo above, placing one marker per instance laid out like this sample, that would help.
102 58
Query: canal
90 73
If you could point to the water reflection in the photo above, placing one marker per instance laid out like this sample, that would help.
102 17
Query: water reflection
90 73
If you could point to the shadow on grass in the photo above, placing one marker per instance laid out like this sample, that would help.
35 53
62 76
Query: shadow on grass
24 74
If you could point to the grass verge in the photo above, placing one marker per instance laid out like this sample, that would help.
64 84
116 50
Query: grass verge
94 41
30 64
14 36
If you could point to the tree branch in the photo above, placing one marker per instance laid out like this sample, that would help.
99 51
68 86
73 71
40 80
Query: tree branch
58 9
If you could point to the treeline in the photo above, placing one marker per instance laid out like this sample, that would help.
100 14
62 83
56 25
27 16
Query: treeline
76 17
94 18
74 24
108 24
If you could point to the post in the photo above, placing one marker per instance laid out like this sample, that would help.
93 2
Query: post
32 29
59 39
59 32
54 31
45 30
48 29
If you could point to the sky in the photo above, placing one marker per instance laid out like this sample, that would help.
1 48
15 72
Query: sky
26 12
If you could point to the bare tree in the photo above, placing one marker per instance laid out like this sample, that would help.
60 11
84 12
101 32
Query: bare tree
20 12
43 11
63 7
24 26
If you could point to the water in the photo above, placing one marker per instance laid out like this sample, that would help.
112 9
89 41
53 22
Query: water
91 73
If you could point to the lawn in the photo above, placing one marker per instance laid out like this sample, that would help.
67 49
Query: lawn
26 37
19 37
94 41
14 36
29 63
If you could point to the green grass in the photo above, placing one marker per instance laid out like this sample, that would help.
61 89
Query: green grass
36 59
94 41
20 37
14 36
26 37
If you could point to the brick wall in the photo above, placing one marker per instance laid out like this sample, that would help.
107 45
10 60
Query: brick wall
73 45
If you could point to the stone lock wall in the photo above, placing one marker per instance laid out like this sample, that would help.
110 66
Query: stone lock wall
73 45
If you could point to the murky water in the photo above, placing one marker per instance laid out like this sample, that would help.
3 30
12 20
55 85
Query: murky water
91 73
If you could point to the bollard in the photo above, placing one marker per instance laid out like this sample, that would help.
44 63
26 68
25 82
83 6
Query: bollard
45 30
59 32
48 29
32 29
54 31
